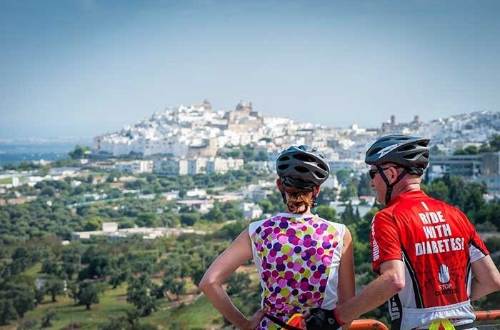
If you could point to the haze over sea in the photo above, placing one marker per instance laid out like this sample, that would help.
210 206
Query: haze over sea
15 153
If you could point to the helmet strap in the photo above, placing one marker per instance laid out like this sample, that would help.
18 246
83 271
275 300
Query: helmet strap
283 196
390 186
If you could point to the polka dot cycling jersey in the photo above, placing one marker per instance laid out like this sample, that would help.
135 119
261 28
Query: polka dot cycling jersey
297 257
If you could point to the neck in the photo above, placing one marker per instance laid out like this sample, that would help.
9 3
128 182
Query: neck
308 211
405 186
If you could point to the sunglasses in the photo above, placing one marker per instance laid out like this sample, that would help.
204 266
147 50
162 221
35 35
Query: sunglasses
372 172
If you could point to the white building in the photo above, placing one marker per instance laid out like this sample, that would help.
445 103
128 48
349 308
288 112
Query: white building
171 195
196 193
201 205
194 166
59 173
222 165
251 211
145 233
135 166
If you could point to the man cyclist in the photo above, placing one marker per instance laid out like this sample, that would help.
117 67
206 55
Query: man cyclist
430 259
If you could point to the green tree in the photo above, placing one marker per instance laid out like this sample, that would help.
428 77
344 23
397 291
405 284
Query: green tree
489 213
326 212
469 150
92 224
327 195
79 152
343 176
237 283
47 318
88 294
178 287
21 295
437 189
51 266
148 220
189 219
348 192
39 295
266 205
71 263
140 294
73 291
48 191
349 216
364 185
98 266
118 277
215 214
54 287
261 156
495 143
7 312
232 211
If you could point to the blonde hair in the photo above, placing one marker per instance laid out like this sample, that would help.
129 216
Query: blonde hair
299 201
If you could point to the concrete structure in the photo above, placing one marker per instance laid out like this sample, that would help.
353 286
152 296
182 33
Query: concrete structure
109 227
200 205
480 168
194 166
145 233
251 211
468 166
135 166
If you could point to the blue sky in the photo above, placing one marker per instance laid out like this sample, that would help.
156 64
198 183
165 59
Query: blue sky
85 67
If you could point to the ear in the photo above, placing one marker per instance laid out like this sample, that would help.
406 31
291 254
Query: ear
316 191
279 184
392 174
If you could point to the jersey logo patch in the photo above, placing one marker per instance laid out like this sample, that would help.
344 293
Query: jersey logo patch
444 274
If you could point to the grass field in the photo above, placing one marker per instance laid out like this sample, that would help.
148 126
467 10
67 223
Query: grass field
195 313
5 180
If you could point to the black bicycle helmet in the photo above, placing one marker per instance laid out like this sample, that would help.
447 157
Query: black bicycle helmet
302 167
409 152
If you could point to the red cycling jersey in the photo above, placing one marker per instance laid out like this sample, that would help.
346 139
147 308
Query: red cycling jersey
437 244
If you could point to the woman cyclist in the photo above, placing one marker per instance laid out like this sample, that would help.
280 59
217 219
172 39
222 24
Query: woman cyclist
304 262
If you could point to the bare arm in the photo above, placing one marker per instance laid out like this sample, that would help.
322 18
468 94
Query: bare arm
346 286
486 278
219 271
390 282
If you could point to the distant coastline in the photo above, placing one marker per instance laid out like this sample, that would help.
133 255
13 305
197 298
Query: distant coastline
18 152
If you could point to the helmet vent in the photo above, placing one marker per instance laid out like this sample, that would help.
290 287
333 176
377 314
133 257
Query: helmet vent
408 147
283 167
301 169
319 175
284 158
323 167
412 155
304 158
